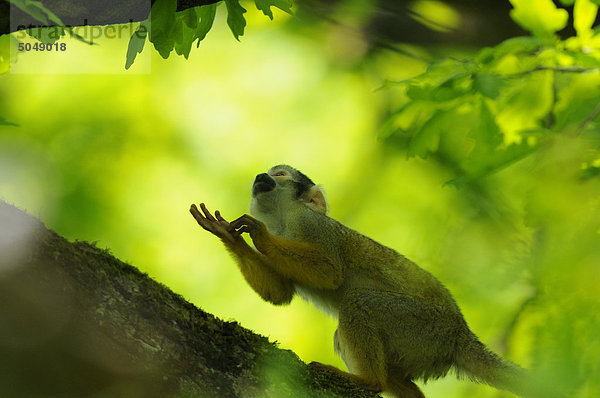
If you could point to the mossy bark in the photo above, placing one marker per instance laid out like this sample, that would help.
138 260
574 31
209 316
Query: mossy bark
77 322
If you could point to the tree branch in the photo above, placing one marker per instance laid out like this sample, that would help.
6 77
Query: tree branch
77 322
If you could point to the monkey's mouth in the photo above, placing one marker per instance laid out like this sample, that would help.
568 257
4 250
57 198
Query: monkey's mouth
263 183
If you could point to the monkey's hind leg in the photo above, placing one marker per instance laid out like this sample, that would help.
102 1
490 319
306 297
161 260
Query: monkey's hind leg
361 349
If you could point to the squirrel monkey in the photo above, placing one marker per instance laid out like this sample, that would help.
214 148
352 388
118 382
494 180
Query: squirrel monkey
397 322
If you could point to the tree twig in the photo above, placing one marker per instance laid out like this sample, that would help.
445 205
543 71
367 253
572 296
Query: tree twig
564 69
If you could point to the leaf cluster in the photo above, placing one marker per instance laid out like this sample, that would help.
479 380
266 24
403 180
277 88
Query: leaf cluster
485 113
170 30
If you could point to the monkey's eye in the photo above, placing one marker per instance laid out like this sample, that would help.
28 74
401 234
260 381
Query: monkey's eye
279 174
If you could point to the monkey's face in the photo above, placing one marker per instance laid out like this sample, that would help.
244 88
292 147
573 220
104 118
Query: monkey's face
277 182
263 183
278 190
282 192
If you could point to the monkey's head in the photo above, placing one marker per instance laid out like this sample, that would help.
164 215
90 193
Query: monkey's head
283 189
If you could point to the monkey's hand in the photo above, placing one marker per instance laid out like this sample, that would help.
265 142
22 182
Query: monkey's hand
217 226
256 229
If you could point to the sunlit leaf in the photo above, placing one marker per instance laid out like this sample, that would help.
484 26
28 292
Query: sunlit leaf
576 100
524 104
540 17
584 15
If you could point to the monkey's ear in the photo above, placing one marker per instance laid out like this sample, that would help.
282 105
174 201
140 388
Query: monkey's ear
316 199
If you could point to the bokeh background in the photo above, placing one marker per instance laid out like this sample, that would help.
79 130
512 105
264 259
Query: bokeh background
117 159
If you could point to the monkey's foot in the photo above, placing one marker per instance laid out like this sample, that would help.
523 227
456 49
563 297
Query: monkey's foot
366 384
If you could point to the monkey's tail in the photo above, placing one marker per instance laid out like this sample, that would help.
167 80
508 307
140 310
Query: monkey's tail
479 364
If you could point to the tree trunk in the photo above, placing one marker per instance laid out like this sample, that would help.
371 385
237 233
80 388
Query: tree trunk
77 322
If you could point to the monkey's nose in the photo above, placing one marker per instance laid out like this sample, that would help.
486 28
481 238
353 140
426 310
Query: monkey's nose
263 183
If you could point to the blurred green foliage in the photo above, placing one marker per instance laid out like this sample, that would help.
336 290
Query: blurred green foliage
483 168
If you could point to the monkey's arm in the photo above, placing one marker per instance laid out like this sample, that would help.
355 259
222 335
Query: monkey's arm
255 267
260 275
302 262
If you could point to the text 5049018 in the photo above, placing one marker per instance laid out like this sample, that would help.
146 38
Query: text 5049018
42 47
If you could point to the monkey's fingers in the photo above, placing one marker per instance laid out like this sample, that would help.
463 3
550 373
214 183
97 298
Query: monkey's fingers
242 220
218 226
238 232
225 223
206 212
220 218
203 222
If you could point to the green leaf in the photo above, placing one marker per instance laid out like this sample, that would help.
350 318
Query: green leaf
487 134
186 35
207 16
576 101
34 9
265 6
525 104
235 18
190 17
136 44
584 15
452 87
584 60
442 82
427 139
489 155
38 11
47 35
162 29
540 17
496 161
515 45
489 85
